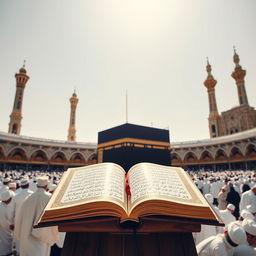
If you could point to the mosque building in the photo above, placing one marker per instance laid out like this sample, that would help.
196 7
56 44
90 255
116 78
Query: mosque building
237 119
232 142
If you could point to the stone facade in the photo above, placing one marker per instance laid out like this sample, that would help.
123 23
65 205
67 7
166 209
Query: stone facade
236 151
238 119
35 153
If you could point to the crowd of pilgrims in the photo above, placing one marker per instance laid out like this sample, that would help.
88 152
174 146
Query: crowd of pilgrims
232 194
24 194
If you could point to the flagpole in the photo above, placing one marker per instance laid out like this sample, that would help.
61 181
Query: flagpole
126 103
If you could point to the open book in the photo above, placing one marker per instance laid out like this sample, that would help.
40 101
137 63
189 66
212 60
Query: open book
106 190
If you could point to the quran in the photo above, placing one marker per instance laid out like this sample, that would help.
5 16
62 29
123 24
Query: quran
105 190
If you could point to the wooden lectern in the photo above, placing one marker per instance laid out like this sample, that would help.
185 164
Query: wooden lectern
154 236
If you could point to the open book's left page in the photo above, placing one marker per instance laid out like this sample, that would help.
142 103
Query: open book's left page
99 182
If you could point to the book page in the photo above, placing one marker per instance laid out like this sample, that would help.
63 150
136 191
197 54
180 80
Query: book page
152 181
92 183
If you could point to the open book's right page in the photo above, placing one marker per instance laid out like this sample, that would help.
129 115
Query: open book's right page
151 181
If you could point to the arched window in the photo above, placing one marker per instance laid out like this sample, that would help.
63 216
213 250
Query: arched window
175 159
206 156
39 156
17 154
235 153
92 159
220 155
77 158
18 105
233 130
1 153
250 151
190 157
15 128
59 157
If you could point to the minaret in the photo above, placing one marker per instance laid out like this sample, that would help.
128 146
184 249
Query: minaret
210 83
72 129
16 115
239 75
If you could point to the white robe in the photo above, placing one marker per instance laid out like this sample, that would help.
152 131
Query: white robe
214 189
18 200
206 231
34 241
206 188
6 220
61 240
227 217
222 196
3 188
244 250
247 198
214 246
32 186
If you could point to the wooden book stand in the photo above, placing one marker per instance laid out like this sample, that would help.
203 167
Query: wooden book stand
154 236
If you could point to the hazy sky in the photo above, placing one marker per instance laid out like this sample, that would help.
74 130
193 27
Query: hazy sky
154 49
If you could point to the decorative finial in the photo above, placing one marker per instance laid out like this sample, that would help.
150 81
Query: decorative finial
22 69
234 50
74 94
236 58
208 67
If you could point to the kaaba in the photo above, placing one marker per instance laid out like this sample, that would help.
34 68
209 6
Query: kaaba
129 144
